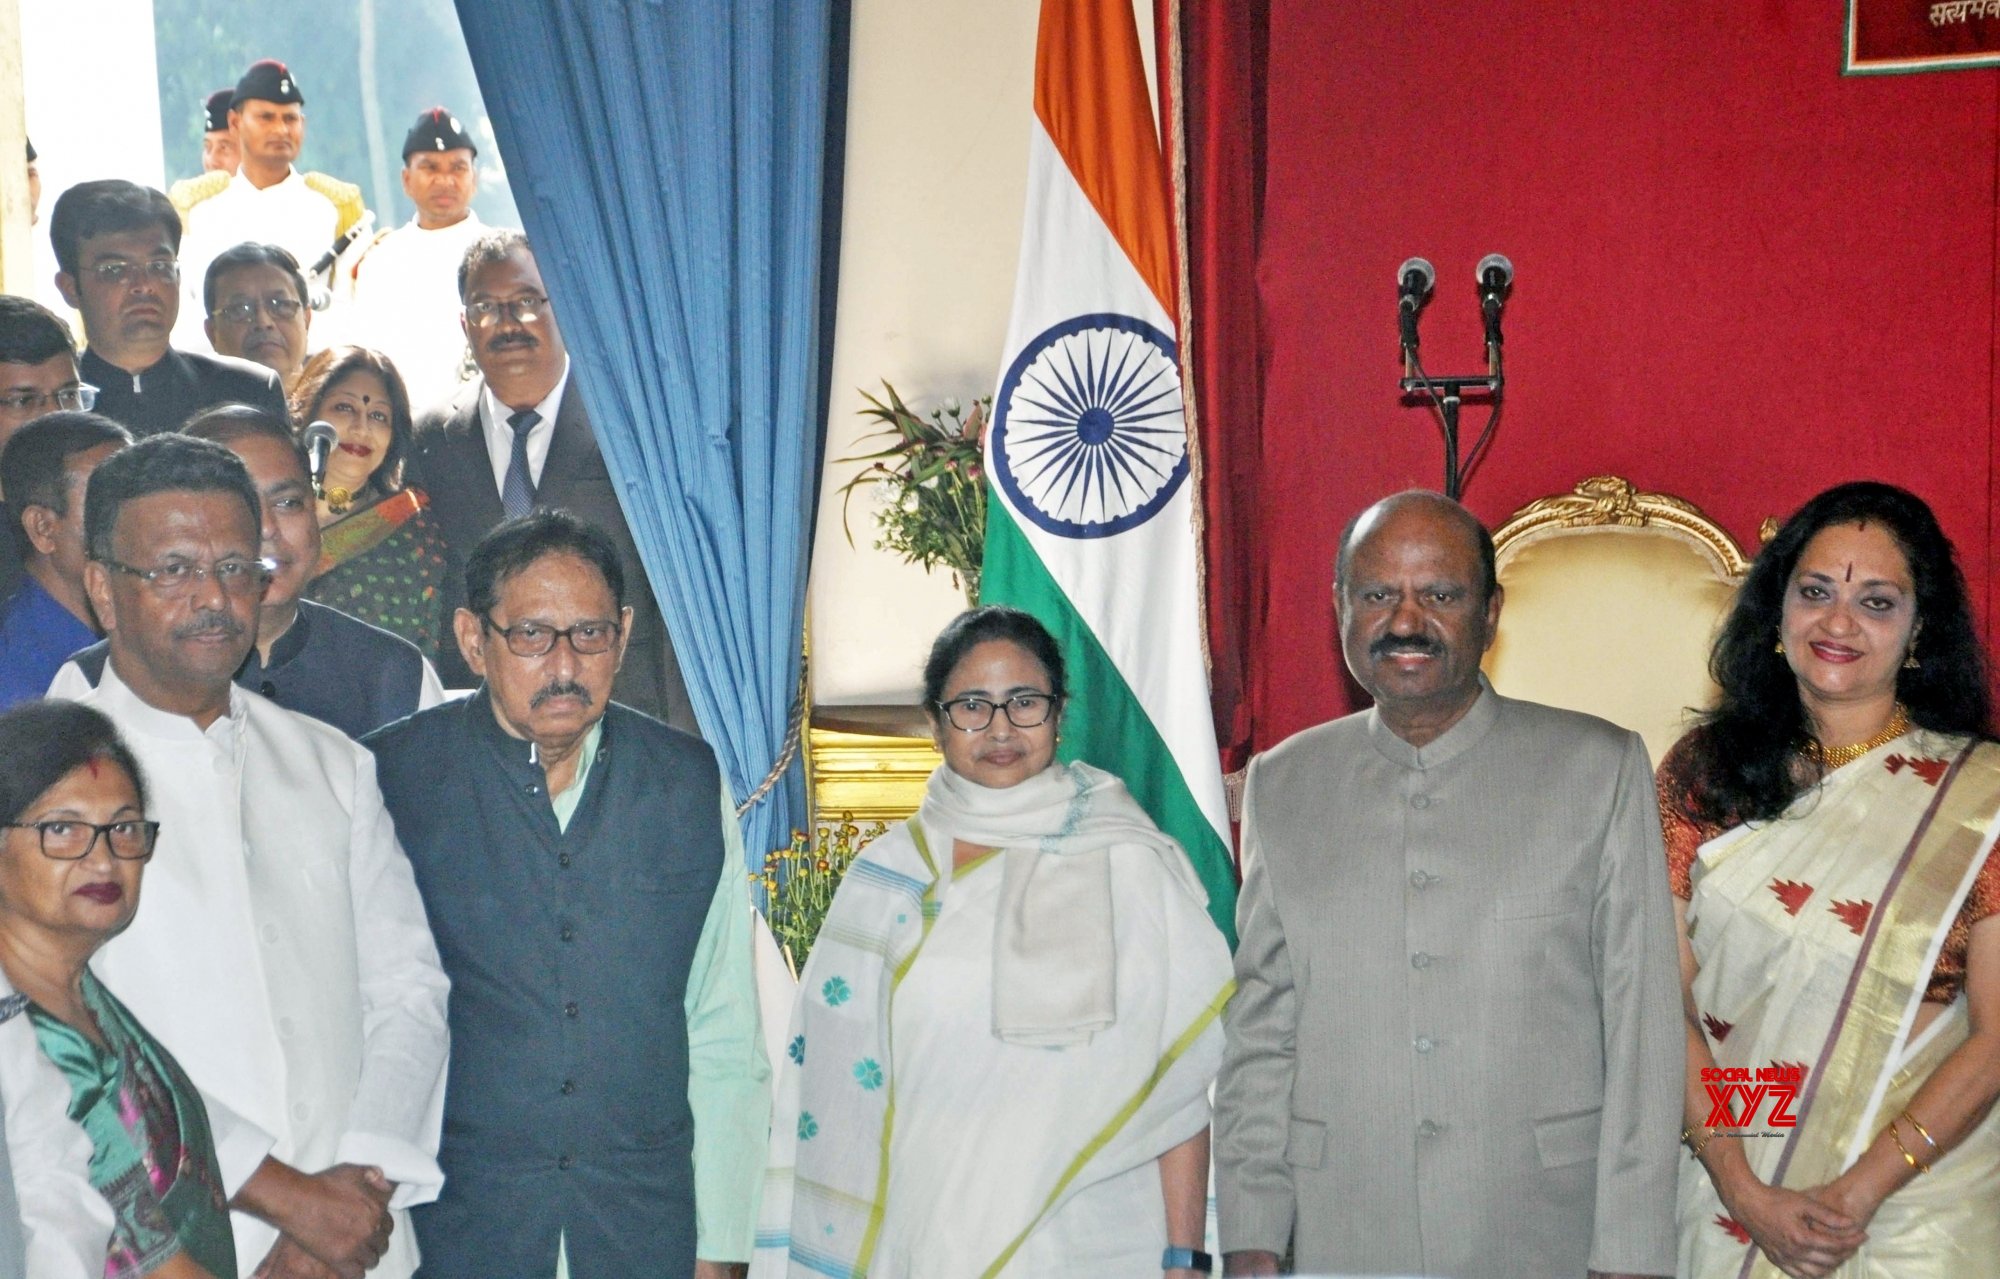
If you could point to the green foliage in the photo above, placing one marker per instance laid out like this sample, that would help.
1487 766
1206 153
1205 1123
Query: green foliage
932 484
419 62
799 882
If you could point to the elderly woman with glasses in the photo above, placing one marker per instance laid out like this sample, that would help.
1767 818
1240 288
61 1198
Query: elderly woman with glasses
75 845
382 555
1004 1038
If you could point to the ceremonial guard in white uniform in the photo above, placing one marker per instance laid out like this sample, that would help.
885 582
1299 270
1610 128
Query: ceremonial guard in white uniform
406 301
266 200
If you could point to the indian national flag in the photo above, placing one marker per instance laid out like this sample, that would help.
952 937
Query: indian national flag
1090 525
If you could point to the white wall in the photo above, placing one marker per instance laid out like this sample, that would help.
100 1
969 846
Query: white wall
939 110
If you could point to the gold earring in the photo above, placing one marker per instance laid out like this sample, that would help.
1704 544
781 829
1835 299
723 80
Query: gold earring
1781 648
1911 663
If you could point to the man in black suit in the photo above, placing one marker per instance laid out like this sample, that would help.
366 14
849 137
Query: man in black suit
517 438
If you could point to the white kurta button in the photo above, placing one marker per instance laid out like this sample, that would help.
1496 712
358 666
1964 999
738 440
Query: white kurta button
1424 1044
1421 801
1421 960
1429 1128
1422 879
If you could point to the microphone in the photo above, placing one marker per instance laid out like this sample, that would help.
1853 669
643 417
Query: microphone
366 223
320 438
1414 281
1496 279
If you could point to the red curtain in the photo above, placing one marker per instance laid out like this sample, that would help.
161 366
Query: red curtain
1742 278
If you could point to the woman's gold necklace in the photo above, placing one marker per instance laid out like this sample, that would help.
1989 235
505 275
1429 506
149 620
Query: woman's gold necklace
338 500
1832 757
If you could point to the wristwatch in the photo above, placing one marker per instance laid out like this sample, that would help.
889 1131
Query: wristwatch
1187 1259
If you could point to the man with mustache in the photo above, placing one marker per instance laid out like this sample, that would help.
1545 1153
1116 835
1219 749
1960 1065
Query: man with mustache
116 243
1456 1043
609 1099
282 953
308 657
517 437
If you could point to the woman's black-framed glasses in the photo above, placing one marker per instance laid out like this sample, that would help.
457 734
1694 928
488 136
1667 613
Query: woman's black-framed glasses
67 840
1024 710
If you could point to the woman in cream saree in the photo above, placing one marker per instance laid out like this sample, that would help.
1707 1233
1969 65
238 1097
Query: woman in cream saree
1841 944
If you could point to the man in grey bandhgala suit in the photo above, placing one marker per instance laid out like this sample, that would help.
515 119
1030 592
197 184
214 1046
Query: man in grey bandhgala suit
1456 1045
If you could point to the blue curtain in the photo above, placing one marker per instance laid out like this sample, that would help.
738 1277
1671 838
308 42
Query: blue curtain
667 157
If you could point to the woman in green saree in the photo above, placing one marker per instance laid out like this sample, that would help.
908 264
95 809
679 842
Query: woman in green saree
76 840
382 559
1830 828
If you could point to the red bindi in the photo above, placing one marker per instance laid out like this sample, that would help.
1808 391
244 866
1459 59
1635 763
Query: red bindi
92 764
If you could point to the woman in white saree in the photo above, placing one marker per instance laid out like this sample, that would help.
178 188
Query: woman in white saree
1006 1032
1830 827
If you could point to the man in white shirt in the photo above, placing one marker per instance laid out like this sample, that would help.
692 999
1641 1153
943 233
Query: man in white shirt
266 200
283 954
406 301
53 1225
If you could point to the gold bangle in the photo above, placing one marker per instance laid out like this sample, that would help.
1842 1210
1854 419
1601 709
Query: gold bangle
1929 1140
1908 1158
1694 1149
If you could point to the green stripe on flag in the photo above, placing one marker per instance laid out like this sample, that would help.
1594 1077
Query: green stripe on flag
1104 723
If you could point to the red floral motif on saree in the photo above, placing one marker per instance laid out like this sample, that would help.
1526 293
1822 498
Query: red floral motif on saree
1932 771
1717 1029
1734 1228
1792 894
1853 914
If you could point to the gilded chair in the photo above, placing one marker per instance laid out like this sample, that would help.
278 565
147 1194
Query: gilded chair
1613 598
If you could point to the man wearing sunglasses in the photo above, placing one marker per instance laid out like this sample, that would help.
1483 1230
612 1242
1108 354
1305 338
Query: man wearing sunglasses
609 1098
282 955
116 244
517 438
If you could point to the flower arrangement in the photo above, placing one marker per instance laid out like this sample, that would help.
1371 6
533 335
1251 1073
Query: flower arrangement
799 882
932 477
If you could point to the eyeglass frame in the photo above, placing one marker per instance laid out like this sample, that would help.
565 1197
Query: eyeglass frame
98 830
83 395
116 271
196 572
487 312
279 306
556 635
996 705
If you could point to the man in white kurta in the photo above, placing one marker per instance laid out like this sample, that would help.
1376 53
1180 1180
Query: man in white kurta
281 953
406 300
266 201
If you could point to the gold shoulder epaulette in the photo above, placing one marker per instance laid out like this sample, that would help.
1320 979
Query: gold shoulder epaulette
346 198
189 192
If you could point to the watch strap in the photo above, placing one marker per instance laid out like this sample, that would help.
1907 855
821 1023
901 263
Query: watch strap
1187 1259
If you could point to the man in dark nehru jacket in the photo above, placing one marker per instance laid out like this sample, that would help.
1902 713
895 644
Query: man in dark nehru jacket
267 200
118 244
607 1099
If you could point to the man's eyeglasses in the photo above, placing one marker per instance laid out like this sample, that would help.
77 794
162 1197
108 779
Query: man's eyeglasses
160 270
522 310
533 639
1024 710
71 841
279 306
82 396
234 576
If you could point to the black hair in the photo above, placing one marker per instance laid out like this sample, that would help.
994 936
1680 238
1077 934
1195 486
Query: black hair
31 333
517 543
107 206
168 463
227 423
494 246
250 253
331 366
1746 746
975 627
34 463
44 741
1489 575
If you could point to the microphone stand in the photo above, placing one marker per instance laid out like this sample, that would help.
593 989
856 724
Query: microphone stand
1446 395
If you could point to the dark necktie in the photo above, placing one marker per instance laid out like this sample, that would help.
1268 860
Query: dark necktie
517 491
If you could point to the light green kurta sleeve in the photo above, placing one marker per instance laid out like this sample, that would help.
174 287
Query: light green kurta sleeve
729 1081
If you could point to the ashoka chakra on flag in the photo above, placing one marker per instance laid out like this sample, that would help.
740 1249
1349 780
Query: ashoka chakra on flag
1087 437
